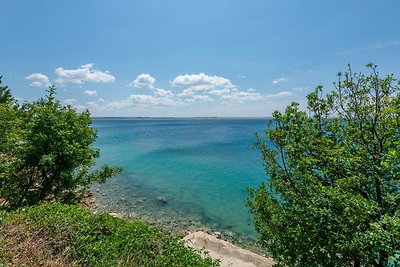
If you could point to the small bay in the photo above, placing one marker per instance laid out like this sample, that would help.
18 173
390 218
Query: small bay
182 172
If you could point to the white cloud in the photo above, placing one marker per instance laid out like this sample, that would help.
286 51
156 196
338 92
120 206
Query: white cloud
91 104
85 73
91 92
143 81
282 94
186 92
162 93
201 79
199 98
70 101
202 87
242 97
197 88
144 101
220 92
38 80
279 80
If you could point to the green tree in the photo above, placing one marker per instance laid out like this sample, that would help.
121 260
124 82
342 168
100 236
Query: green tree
333 194
46 152
5 94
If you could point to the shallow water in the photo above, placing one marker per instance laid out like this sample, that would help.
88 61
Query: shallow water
182 172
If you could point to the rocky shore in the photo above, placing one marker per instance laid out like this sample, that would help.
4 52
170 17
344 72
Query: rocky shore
217 245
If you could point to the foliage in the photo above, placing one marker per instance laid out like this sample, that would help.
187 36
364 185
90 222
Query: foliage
333 198
5 94
45 152
87 239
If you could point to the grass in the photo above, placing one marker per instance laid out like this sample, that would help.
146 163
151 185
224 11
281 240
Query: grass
65 235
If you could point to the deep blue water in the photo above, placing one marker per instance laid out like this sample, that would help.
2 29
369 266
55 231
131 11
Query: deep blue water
200 169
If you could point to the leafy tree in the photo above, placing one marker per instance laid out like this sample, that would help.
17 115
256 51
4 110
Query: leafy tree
333 194
5 94
46 152
10 126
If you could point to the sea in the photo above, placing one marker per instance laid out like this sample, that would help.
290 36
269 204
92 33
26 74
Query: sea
182 173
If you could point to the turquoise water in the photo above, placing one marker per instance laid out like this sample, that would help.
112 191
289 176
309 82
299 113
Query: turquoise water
182 171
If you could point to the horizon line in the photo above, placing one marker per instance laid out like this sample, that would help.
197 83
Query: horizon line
176 117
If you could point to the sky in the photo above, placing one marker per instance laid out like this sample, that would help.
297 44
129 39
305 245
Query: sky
191 58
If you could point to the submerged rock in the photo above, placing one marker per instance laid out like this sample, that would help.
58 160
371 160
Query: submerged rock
161 200
141 200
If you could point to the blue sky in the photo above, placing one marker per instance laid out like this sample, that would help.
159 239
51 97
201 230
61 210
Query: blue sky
191 57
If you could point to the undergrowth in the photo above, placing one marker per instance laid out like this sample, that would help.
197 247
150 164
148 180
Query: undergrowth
65 235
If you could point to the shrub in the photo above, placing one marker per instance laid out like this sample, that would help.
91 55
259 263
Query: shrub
333 196
46 152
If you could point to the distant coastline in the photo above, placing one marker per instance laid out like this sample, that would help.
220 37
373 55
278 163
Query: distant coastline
181 118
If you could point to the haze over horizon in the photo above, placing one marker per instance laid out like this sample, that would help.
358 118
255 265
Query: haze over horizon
195 58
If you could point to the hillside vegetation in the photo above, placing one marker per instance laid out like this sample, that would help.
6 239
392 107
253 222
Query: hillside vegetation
67 235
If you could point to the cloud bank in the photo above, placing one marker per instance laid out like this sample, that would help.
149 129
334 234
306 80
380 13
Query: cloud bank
185 90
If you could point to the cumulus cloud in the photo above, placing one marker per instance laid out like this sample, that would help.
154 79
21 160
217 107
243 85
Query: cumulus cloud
197 89
38 80
200 87
162 93
143 81
201 79
279 80
91 92
221 92
84 73
203 88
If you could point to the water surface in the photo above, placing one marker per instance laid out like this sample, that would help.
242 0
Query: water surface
182 171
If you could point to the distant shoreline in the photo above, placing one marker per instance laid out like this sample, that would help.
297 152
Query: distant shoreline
181 118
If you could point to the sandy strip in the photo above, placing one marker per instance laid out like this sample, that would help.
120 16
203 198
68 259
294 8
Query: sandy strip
229 254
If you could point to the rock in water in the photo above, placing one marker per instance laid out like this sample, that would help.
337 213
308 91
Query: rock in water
161 200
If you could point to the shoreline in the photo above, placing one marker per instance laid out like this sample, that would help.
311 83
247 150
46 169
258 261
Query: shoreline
172 221
181 118
224 245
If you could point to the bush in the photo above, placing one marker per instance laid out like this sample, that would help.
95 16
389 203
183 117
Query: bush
74 236
333 195
45 151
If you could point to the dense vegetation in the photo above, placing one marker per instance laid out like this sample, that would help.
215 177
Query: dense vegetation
45 151
46 155
333 195
66 235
